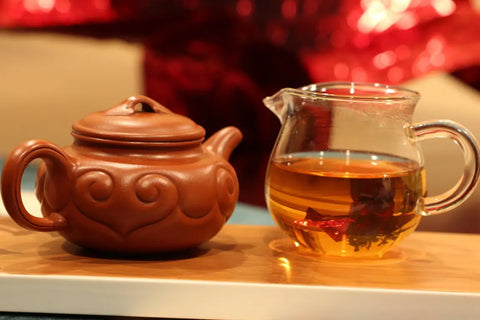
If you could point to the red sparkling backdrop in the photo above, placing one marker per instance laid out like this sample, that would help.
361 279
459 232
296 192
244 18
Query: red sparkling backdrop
215 60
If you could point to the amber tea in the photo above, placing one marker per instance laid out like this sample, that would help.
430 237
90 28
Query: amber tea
346 203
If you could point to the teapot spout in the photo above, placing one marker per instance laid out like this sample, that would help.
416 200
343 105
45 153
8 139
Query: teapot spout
224 141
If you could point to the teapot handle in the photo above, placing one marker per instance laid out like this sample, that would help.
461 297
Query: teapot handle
12 173
127 106
467 183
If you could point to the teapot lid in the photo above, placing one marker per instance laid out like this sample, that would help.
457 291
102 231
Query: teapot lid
153 125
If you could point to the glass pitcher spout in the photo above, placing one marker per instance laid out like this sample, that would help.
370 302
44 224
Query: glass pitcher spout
278 103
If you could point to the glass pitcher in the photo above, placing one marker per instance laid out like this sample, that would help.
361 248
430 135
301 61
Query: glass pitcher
346 175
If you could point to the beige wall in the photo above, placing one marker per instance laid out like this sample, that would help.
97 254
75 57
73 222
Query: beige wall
47 81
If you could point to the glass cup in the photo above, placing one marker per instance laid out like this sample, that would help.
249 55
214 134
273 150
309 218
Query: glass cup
346 176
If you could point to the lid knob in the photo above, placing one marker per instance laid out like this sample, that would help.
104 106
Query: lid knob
127 107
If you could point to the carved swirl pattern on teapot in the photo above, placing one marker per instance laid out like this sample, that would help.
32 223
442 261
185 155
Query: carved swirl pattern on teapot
148 197
153 189
226 190
94 186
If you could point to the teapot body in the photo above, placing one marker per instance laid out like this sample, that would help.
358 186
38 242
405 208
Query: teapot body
121 203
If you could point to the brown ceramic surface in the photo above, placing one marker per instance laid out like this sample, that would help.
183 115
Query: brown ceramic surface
133 181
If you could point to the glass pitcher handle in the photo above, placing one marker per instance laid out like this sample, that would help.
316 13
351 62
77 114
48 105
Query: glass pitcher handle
469 180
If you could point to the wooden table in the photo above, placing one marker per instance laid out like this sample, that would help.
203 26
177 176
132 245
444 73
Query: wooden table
244 272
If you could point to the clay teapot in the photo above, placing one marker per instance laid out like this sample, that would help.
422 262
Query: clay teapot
135 180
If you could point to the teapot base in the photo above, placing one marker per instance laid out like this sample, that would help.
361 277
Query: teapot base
174 233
